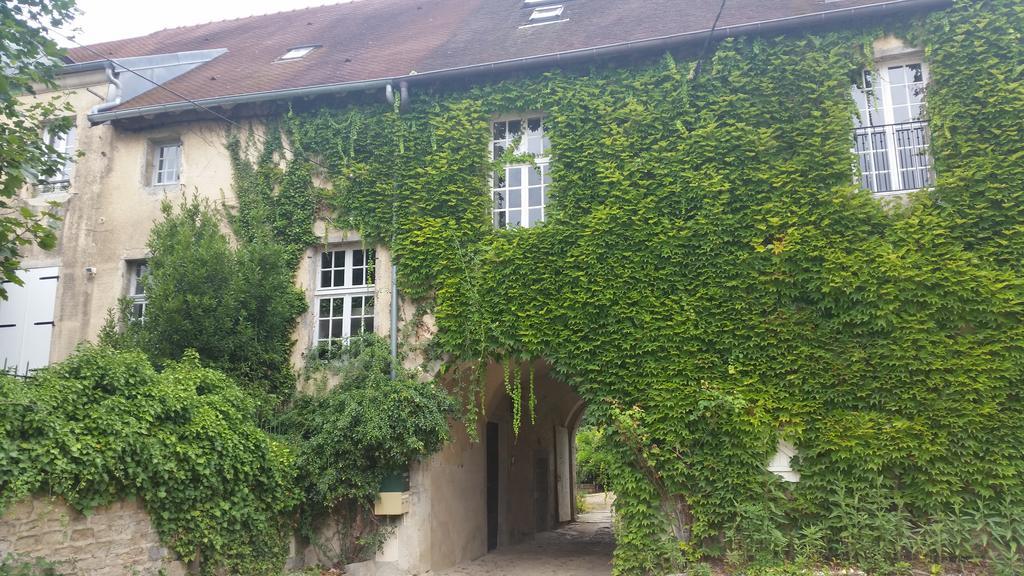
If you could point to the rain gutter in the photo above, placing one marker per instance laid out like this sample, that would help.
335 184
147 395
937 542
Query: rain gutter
777 25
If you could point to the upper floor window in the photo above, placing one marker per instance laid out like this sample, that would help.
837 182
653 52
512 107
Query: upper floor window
63 142
137 288
519 191
166 163
891 129
344 294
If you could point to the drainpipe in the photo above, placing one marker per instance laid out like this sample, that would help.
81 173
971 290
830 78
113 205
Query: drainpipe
112 79
394 319
389 94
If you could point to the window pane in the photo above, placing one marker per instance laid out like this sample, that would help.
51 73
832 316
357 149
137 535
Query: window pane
355 326
325 279
533 125
515 218
324 330
499 199
368 324
357 306
497 151
368 305
499 219
357 276
536 216
536 197
515 177
339 277
499 130
339 258
534 176
897 75
325 260
337 328
357 258
499 179
515 198
514 128
535 145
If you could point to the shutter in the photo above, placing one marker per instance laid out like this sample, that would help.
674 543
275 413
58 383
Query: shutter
27 320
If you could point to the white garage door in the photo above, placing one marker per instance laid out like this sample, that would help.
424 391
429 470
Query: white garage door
26 320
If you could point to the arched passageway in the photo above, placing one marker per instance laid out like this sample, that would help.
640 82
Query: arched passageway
505 502
533 525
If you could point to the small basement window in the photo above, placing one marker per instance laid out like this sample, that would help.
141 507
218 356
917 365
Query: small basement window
780 463
298 52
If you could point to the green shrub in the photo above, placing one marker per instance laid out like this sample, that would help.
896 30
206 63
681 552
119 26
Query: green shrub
104 425
366 427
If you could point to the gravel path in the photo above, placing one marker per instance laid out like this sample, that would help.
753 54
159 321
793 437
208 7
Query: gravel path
581 548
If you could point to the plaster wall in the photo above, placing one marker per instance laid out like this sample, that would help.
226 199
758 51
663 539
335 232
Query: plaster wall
110 207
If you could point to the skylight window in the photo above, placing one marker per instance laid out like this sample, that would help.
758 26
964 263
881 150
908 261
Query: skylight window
298 52
547 12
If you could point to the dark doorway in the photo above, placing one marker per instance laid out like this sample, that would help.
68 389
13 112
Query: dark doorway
541 480
492 485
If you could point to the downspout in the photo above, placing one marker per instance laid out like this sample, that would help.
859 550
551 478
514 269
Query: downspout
112 79
389 94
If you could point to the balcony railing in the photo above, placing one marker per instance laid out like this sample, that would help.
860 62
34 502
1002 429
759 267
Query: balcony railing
894 157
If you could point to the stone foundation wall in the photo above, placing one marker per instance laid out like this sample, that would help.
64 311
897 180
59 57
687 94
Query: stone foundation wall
114 540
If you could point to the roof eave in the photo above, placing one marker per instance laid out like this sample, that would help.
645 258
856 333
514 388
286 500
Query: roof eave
777 25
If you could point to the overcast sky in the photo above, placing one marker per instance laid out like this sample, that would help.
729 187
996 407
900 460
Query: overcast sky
104 20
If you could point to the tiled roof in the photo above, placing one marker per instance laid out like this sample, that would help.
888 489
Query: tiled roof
380 39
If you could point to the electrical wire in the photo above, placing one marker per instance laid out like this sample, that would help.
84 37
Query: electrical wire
176 94
707 41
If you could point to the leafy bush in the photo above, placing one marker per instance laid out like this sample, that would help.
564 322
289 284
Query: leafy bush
104 425
365 427
235 306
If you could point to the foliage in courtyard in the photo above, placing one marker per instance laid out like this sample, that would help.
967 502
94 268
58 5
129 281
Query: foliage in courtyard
367 426
235 306
104 425
709 280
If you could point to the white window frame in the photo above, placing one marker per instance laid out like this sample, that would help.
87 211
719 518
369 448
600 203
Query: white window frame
356 300
136 289
886 146
65 143
164 175
529 197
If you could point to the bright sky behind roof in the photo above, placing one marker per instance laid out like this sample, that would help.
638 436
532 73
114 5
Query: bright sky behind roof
103 20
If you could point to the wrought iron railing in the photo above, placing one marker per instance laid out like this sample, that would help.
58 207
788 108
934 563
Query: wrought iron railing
894 157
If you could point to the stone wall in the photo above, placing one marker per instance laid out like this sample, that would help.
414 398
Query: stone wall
111 541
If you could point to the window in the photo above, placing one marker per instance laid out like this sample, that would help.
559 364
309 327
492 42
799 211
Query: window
167 163
891 128
344 294
137 288
298 52
63 142
519 191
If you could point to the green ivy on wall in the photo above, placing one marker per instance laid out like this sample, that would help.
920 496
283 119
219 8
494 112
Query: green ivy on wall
709 279
104 424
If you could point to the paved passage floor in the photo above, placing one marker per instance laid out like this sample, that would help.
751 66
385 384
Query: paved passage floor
581 548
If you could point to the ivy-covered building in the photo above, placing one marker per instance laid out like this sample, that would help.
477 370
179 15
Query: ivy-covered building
773 246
